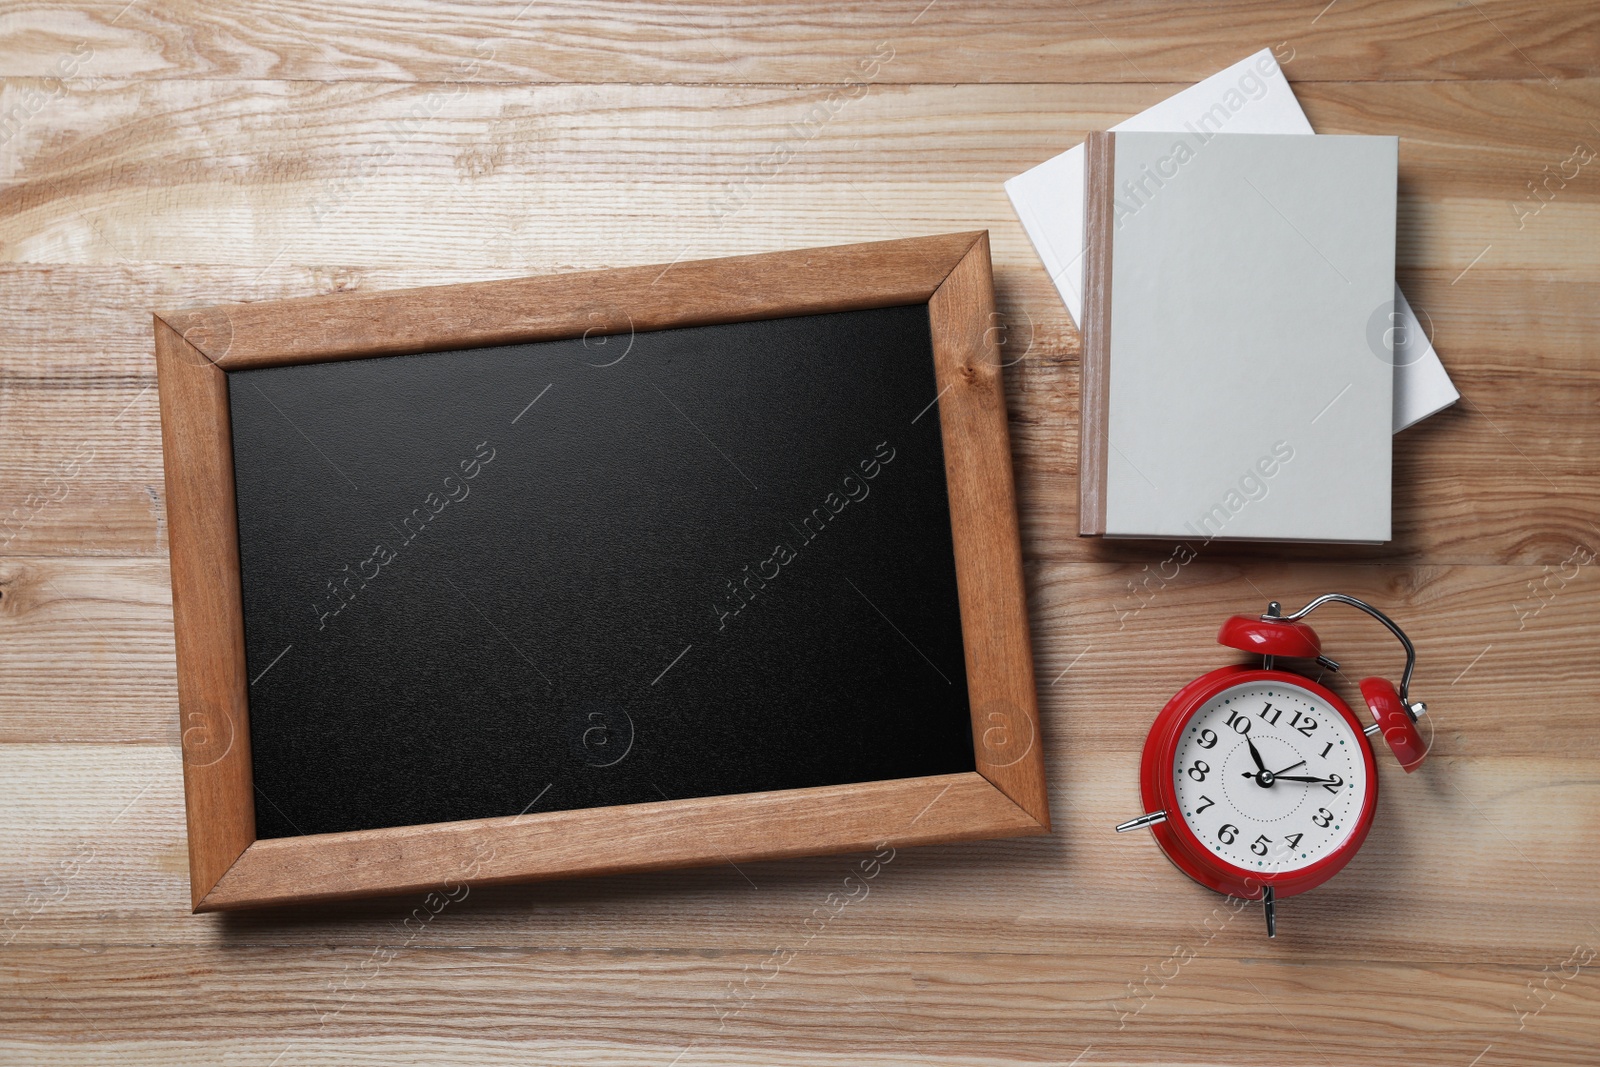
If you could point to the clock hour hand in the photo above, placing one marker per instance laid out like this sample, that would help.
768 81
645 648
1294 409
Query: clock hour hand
1261 768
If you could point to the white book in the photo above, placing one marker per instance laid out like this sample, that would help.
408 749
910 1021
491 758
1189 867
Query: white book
1232 384
1252 96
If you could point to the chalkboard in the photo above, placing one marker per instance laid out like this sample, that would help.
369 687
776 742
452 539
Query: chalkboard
597 571
703 562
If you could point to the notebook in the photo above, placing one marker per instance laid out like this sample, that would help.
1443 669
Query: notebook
1234 384
1252 96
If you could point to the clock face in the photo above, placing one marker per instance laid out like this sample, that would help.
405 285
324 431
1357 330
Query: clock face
1238 768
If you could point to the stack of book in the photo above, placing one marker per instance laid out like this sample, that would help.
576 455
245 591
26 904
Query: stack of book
1246 355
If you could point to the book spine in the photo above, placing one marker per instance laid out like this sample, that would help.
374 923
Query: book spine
1095 361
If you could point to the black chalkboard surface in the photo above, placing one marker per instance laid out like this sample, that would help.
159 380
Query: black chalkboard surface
689 562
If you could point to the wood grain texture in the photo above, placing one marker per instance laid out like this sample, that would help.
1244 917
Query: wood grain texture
187 164
885 1012
105 624
659 296
971 405
787 41
207 609
566 178
445 859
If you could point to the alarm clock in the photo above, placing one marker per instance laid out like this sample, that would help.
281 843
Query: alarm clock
1260 783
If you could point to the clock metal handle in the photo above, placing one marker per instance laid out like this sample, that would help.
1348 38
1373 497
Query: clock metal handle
1405 642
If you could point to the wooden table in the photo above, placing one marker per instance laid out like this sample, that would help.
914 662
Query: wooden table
197 153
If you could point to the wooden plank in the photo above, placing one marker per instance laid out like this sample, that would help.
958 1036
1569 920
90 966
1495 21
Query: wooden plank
207 609
1472 139
710 41
904 1007
341 180
86 652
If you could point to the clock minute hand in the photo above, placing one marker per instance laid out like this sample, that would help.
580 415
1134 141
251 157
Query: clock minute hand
1299 778
1265 777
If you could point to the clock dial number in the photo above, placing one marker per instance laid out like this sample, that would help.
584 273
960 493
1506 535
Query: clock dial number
1255 731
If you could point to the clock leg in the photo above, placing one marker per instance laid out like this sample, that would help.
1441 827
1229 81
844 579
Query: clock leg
1142 821
1270 906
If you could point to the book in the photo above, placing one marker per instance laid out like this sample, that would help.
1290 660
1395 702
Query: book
1237 365
1252 96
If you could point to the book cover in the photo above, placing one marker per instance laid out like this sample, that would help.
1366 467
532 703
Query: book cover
1233 384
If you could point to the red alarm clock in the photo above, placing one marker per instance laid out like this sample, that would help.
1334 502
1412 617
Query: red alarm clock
1258 782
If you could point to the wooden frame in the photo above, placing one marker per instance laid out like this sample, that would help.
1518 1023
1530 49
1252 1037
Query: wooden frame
230 868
